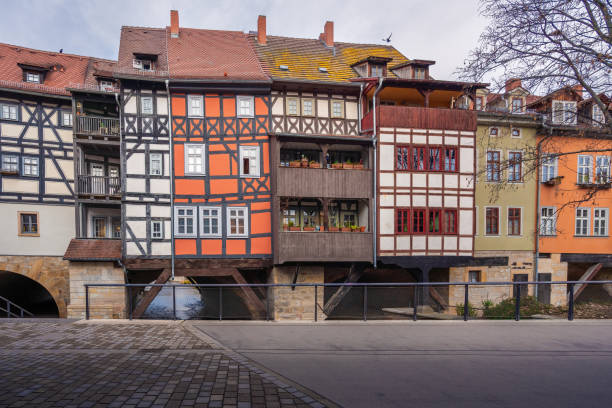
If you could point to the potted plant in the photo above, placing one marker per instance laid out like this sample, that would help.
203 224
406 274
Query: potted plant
333 228
321 228
336 165
309 229
314 165
358 165
285 227
295 163
347 165
292 227
362 228
346 227
353 228
304 161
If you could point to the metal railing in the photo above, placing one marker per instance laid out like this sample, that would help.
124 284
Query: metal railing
99 185
10 306
97 126
419 290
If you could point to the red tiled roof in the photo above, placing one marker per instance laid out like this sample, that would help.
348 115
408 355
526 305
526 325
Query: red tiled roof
213 54
142 40
64 70
93 250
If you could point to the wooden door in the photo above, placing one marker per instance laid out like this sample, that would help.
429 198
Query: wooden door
544 291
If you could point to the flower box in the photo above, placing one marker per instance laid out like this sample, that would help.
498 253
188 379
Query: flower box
358 166
334 229
347 165
315 165
336 165
295 229
295 163
345 229
309 229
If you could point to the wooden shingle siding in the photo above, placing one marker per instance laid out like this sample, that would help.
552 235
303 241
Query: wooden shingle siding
328 183
324 247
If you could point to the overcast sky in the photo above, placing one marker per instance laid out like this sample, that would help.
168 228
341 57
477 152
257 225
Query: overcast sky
441 30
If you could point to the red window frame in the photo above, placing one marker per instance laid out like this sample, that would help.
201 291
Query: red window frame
402 219
491 214
454 162
515 173
418 224
400 164
419 153
449 222
433 214
434 158
493 165
514 221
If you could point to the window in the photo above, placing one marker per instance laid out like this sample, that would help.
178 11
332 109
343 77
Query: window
514 221
146 105
157 229
598 116
33 77
515 161
516 132
106 85
237 222
403 221
419 73
517 104
493 131
582 221
194 159
493 166
434 221
585 168
210 221
307 107
549 167
547 221
450 159
99 227
492 221
28 224
142 64
478 103
196 106
403 158
292 106
600 222
418 221
434 159
155 164
602 169
450 221
418 158
474 276
116 227
8 112
245 106
185 219
249 161
377 70
10 163
337 109
30 166
66 119
564 112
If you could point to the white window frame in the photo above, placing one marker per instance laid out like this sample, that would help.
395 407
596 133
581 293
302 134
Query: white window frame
105 85
549 168
195 111
293 101
9 165
585 229
564 112
600 230
311 111
250 108
156 158
63 116
9 111
142 105
333 103
597 115
194 218
602 169
161 229
548 223
254 167
580 178
33 77
218 217
33 165
202 159
138 63
229 219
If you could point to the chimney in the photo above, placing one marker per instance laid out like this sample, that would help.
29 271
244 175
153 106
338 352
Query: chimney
328 34
261 30
513 83
174 24
578 89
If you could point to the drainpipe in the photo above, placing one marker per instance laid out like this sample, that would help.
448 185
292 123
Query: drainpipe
374 169
171 170
359 115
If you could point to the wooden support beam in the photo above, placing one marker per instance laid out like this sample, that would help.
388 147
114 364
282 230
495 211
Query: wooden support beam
588 275
149 295
435 295
253 302
355 272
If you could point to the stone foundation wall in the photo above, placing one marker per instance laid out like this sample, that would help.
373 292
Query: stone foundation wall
104 303
50 271
298 304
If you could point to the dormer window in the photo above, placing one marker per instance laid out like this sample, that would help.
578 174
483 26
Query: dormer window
517 105
106 85
33 77
377 70
564 112
143 64
419 73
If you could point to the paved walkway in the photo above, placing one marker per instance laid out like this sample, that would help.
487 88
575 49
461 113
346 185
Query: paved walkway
59 363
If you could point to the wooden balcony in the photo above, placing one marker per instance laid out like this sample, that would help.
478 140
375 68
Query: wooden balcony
324 247
324 183
97 127
99 187
422 118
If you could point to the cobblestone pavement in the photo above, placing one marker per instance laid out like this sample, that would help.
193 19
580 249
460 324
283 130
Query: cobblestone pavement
58 363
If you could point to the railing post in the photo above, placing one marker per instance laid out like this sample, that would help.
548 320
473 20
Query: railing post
268 304
220 303
316 300
86 302
414 302
466 309
570 311
130 301
8 309
365 303
517 306
173 302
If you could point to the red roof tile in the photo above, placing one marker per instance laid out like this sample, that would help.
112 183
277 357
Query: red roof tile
142 40
93 250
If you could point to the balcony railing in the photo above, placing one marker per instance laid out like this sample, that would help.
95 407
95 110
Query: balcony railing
325 183
421 118
99 186
97 126
324 246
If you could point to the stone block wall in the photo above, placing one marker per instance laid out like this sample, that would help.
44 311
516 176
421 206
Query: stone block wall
297 304
104 303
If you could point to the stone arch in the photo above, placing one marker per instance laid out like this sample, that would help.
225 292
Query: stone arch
50 272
